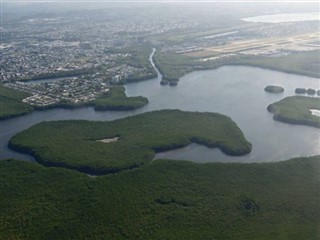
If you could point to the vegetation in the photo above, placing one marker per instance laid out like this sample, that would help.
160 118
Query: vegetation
301 63
138 57
163 200
116 99
311 91
10 102
73 144
274 89
173 66
295 110
300 90
173 83
164 82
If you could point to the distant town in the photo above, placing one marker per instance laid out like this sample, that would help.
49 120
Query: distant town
159 119
76 58
71 64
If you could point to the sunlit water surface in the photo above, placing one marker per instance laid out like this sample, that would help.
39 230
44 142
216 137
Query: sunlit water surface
235 91
285 17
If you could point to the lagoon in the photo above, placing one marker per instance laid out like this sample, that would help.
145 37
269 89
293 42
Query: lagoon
236 91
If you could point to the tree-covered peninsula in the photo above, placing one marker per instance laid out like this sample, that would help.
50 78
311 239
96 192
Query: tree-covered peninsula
116 99
11 104
77 144
296 110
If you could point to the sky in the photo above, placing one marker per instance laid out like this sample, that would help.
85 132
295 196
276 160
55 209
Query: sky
167 1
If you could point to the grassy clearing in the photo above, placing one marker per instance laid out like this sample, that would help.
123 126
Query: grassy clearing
116 99
10 102
72 144
163 200
295 110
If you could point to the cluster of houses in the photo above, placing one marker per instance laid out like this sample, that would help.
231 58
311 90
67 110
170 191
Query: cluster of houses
71 90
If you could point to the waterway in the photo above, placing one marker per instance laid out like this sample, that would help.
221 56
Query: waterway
235 91
285 17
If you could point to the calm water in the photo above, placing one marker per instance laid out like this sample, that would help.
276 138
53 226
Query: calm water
232 90
237 92
286 17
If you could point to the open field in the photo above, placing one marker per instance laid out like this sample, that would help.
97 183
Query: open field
163 200
263 46
189 35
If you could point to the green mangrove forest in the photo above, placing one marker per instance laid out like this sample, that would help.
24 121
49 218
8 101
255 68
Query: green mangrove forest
10 102
274 89
295 110
173 66
116 99
76 145
163 200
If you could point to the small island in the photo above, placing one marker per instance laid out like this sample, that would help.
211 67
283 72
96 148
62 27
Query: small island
300 90
311 91
274 89
76 145
164 82
173 83
296 110
117 100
